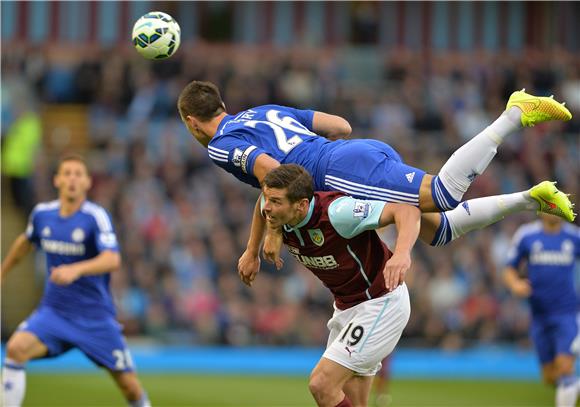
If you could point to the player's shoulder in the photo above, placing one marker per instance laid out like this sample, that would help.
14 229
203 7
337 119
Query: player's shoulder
528 229
571 229
43 208
98 213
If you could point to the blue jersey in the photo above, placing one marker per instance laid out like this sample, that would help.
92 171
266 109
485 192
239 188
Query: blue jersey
65 240
283 133
365 169
551 260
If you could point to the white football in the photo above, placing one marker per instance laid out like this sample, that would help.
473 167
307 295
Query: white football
156 35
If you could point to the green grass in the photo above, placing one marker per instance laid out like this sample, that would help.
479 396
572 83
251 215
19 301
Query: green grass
272 391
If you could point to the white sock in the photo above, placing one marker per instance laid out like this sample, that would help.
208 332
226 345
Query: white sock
566 392
481 212
13 383
473 157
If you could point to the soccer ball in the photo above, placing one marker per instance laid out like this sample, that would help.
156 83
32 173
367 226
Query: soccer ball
156 35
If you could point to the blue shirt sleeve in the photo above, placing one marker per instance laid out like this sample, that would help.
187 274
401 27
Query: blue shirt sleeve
105 237
234 153
516 251
305 117
350 216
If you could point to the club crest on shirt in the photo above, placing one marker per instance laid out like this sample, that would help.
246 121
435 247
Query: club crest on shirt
78 235
45 232
316 236
361 209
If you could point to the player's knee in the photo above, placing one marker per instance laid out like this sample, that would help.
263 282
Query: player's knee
564 366
17 351
319 386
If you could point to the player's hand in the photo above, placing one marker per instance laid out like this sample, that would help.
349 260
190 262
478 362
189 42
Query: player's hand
248 267
65 274
521 288
395 270
272 247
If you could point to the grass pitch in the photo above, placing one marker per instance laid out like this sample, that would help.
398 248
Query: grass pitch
172 390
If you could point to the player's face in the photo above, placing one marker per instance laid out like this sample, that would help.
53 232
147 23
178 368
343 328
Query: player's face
550 220
279 210
72 180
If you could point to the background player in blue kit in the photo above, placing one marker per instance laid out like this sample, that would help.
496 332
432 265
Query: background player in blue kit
77 309
549 248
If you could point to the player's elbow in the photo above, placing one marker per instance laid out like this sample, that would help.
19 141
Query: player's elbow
342 129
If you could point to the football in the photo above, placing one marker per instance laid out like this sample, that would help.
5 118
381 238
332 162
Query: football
156 35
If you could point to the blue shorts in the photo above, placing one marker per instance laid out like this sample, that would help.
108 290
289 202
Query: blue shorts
553 335
101 340
370 169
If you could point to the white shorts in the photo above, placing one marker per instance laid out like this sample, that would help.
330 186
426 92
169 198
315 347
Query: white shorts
362 336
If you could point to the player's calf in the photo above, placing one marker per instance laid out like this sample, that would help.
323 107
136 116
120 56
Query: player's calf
131 388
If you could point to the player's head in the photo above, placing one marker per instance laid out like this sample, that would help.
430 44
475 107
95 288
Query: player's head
199 103
288 190
72 178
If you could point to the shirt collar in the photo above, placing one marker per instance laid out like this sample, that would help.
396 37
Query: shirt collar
304 221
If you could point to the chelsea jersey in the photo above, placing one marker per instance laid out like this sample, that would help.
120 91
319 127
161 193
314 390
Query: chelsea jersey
283 133
65 240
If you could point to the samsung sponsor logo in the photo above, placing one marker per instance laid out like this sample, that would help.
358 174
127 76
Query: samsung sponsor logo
65 248
553 258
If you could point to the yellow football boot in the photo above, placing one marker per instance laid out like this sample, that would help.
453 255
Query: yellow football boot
553 201
538 109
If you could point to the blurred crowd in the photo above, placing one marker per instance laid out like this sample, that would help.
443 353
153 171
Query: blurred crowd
182 222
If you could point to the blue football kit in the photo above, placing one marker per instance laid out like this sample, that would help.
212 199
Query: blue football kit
551 261
365 169
79 315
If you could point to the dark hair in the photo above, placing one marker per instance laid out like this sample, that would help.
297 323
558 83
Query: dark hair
294 178
201 100
72 157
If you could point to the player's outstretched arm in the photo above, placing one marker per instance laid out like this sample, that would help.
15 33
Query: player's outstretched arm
249 263
407 220
520 287
330 126
18 250
106 262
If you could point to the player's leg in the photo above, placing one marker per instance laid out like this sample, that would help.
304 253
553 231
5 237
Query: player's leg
21 347
549 373
470 160
104 344
131 388
565 330
326 384
358 389
381 383
366 335
39 335
438 229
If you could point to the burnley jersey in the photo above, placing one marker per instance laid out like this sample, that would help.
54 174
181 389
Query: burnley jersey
65 240
337 242
283 133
